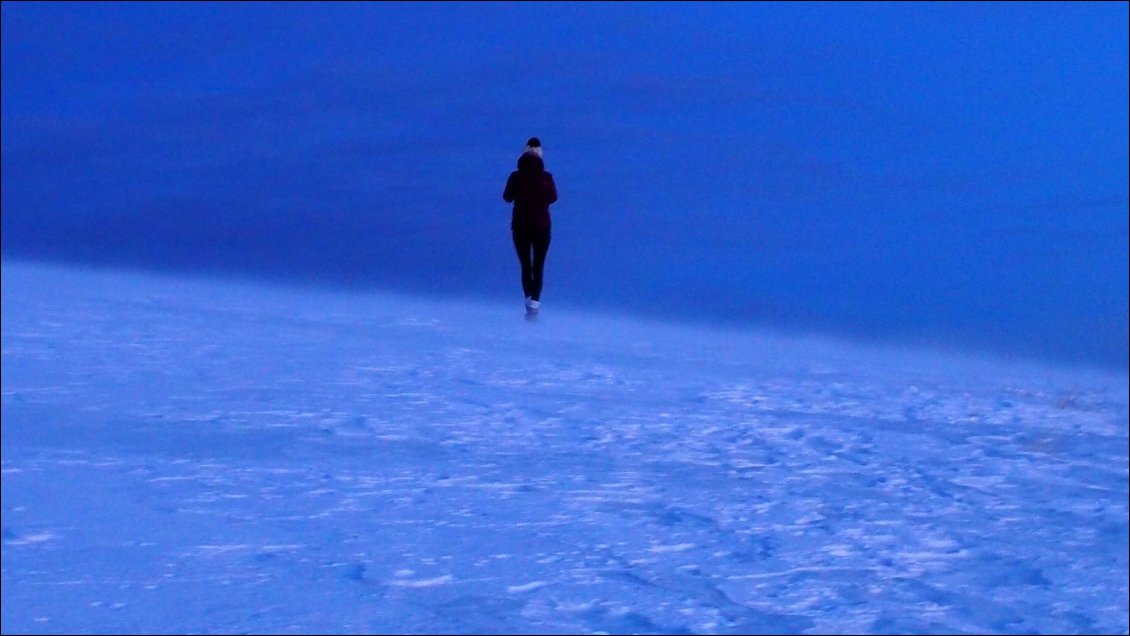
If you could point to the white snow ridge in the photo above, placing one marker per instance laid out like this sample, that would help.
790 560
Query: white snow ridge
185 456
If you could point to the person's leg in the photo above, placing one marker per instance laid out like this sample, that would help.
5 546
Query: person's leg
522 245
540 244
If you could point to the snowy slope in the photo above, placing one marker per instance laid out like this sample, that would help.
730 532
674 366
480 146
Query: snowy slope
194 456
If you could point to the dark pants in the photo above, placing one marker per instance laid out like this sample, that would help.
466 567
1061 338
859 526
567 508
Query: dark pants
532 248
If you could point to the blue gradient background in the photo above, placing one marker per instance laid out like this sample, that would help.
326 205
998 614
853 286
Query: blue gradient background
947 174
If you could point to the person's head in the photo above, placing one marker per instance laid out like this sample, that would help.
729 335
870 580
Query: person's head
534 146
531 161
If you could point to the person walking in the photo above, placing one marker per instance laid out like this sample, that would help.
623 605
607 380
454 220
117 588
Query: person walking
532 190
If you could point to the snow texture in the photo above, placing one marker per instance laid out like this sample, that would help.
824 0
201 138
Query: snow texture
184 455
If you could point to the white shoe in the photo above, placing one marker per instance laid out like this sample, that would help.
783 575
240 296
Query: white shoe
532 304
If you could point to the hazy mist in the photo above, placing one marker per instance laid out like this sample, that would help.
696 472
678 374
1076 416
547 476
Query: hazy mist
951 174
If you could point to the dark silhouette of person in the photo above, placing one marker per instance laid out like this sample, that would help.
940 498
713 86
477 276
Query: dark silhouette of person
532 190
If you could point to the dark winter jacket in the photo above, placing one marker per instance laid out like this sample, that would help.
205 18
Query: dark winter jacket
532 190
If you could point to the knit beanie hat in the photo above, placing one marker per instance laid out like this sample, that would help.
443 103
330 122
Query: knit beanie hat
534 146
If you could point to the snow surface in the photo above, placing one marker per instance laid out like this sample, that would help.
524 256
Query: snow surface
214 457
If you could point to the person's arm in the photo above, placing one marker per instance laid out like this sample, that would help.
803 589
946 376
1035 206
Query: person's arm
508 193
551 190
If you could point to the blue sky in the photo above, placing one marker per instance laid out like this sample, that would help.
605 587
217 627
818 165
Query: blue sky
945 173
